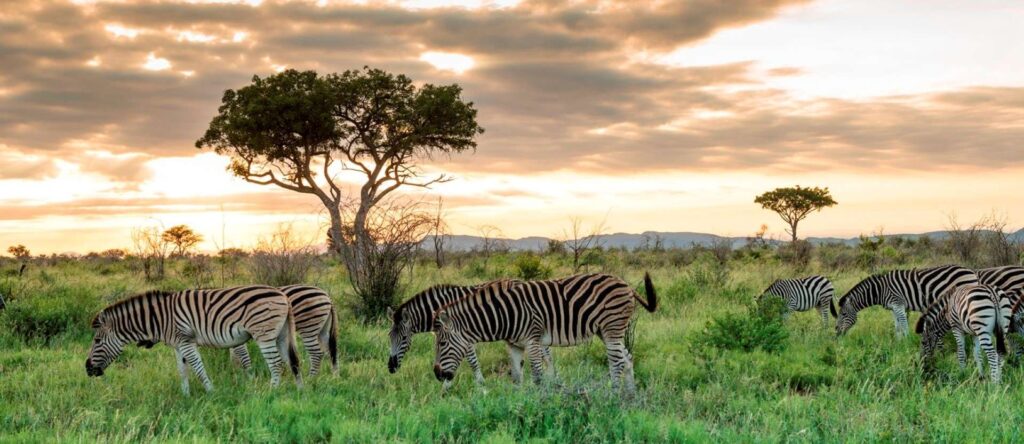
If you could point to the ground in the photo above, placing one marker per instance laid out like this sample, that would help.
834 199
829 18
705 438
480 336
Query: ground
866 386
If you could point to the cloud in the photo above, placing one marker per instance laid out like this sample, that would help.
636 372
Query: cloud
557 84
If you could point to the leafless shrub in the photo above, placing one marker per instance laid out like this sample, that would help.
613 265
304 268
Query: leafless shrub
151 250
282 259
964 241
491 242
198 270
440 233
721 249
396 229
984 243
578 240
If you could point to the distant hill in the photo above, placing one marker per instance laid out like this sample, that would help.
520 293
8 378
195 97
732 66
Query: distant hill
668 239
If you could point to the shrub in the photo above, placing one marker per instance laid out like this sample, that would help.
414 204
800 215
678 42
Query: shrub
282 260
528 267
760 328
47 314
708 273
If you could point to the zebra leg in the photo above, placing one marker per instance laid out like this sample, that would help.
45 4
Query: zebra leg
823 311
961 354
515 356
995 370
977 356
899 314
550 363
619 361
272 355
316 353
535 351
190 352
474 362
241 356
182 369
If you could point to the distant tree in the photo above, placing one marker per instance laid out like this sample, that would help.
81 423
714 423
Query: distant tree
182 237
293 128
21 253
795 204
151 249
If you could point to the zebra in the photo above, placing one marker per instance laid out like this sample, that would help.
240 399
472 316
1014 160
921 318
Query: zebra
188 319
536 314
982 311
416 316
899 291
315 323
1009 278
804 294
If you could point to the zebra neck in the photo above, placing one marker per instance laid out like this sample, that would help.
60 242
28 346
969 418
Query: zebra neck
147 317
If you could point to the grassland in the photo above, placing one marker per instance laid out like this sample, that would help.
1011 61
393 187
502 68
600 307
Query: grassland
863 387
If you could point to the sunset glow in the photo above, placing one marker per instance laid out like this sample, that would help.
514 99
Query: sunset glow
592 109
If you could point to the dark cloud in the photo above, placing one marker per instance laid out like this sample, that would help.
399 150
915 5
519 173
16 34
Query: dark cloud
555 83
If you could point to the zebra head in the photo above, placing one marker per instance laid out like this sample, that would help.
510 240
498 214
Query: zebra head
400 334
851 302
450 346
106 345
931 333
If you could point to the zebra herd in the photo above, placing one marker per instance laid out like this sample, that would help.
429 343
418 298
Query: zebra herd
984 304
532 316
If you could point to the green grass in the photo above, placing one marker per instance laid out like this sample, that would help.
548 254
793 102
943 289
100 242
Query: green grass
865 386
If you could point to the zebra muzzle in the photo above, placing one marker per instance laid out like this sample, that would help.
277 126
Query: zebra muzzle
442 375
393 364
92 370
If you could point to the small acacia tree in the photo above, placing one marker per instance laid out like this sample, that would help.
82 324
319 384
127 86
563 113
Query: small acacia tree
182 237
299 130
21 253
795 204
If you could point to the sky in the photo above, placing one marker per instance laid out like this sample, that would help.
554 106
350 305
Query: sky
668 116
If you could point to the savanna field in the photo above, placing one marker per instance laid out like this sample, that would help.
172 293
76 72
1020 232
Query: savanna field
697 381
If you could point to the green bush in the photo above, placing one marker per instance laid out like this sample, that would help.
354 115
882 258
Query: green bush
45 315
760 328
529 267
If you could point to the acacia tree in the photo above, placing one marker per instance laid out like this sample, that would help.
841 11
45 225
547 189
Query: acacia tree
298 130
22 254
795 204
182 237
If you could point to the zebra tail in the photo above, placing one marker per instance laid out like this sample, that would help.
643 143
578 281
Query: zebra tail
919 327
832 308
1000 341
652 298
332 339
293 352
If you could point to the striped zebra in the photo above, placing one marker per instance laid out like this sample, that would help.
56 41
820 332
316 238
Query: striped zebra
981 311
416 316
804 294
315 323
188 319
536 314
1009 279
899 291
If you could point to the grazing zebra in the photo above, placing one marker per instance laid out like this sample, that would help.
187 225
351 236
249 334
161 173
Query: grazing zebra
981 311
416 316
804 294
536 314
188 319
899 291
1009 279
315 323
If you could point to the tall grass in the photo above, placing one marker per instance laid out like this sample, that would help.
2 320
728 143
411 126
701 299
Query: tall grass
865 386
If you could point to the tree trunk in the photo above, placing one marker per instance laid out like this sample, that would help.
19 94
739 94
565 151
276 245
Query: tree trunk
792 230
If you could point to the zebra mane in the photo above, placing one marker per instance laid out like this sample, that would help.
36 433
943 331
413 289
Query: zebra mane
863 283
934 310
473 294
397 317
128 300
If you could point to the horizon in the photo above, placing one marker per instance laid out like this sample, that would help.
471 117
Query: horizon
649 118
